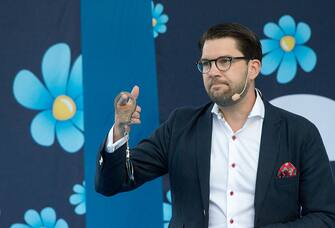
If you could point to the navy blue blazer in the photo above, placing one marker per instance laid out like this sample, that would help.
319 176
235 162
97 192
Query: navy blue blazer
181 147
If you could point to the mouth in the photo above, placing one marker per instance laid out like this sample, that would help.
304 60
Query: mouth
216 85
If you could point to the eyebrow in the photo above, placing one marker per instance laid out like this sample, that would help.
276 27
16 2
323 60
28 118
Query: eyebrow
221 56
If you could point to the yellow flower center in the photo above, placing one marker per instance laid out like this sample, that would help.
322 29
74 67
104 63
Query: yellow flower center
63 108
287 43
154 22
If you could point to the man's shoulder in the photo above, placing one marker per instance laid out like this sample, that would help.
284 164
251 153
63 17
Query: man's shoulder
292 120
189 114
192 111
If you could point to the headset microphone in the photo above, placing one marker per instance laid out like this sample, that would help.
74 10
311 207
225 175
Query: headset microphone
237 96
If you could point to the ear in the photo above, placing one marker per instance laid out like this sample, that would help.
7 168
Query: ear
254 68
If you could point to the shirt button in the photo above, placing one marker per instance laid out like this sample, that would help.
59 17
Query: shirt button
231 221
233 165
233 137
231 193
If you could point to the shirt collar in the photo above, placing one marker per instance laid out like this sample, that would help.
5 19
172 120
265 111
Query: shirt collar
257 110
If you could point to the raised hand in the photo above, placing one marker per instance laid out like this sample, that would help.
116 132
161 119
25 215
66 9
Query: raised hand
127 112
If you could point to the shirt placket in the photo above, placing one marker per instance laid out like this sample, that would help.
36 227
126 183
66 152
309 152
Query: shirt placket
232 176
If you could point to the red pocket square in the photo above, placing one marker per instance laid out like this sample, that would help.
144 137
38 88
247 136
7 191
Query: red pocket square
287 170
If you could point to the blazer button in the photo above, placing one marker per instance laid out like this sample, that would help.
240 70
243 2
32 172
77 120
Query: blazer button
204 212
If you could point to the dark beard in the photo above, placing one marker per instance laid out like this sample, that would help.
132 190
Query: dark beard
226 100
222 101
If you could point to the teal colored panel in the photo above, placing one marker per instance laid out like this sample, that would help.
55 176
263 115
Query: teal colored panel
118 52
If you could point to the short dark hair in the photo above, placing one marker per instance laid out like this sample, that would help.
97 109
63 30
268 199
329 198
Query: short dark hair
247 41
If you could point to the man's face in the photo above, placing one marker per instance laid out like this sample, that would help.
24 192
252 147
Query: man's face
222 85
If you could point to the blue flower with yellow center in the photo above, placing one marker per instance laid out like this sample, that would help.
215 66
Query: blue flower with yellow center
158 19
79 198
46 219
167 210
285 48
59 99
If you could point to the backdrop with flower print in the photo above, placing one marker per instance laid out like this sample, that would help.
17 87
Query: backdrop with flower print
42 115
46 81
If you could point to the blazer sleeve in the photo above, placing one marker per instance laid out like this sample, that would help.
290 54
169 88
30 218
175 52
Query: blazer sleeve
317 187
149 159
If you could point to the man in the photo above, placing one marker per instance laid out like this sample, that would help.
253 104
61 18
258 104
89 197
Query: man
235 162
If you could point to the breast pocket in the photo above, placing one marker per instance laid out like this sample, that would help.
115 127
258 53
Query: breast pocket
287 186
287 181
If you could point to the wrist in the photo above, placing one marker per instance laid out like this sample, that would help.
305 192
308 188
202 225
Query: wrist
118 131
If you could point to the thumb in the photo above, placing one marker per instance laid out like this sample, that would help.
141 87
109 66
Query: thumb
135 92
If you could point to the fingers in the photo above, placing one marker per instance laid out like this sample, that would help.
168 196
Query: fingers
135 121
138 109
136 116
135 91
123 99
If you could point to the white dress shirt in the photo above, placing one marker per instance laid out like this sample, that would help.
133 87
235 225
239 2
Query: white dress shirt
110 146
234 161
233 168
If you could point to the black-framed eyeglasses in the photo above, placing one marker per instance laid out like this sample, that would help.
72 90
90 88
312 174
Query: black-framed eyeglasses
223 63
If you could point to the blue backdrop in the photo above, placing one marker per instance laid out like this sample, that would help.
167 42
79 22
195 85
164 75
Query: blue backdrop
63 62
119 53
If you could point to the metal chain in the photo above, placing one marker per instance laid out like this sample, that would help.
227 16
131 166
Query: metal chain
129 164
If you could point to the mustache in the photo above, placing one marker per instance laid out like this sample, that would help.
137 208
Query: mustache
216 81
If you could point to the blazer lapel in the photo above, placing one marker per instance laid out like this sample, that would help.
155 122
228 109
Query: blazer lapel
203 152
267 156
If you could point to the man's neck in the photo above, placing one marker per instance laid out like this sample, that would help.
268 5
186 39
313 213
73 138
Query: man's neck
237 114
